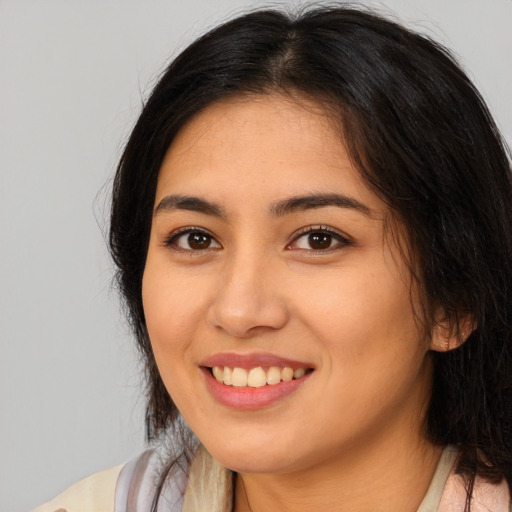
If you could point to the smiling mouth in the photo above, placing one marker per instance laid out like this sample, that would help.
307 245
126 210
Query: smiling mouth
256 377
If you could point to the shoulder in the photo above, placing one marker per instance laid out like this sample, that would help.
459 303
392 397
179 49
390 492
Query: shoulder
139 480
92 494
447 491
127 487
486 496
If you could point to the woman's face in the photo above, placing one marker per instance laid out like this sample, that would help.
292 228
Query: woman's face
269 256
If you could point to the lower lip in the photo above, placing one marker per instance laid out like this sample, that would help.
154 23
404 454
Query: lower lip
247 397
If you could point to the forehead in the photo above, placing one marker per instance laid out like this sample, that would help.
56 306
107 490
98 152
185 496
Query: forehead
266 146
259 115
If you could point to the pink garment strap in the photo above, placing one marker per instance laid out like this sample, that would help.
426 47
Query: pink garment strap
487 497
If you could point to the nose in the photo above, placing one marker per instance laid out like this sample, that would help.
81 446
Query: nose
249 299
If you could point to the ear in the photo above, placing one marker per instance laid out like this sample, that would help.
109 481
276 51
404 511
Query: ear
448 334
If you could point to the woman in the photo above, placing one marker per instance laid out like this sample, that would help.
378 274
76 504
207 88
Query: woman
312 226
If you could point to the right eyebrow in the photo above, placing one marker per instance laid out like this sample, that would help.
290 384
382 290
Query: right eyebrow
312 201
189 203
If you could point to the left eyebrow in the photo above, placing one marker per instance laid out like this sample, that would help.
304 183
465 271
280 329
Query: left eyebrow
312 201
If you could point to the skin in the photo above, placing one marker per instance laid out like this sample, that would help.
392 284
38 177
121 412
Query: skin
349 438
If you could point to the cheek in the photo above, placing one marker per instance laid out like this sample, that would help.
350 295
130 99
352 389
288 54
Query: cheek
366 323
374 353
172 311
171 301
358 301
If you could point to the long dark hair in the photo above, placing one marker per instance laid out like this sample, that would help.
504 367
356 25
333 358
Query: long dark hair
422 138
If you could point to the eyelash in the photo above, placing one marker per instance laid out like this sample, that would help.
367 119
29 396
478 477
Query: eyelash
342 241
172 240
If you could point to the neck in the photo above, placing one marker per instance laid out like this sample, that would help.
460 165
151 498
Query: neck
385 477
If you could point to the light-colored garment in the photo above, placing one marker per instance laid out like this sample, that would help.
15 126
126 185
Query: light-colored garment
209 488
93 494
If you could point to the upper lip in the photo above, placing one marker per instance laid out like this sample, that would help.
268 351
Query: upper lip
247 361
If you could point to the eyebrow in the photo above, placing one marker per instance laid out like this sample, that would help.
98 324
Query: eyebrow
190 203
312 201
277 209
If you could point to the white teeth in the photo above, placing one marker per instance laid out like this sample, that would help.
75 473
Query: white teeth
256 377
228 376
286 374
218 373
298 373
274 375
239 377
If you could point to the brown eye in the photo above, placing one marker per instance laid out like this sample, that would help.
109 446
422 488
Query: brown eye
319 241
193 240
199 241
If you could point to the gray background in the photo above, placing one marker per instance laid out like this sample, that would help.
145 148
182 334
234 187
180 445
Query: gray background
72 74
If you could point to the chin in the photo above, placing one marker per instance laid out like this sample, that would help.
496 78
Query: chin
251 458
